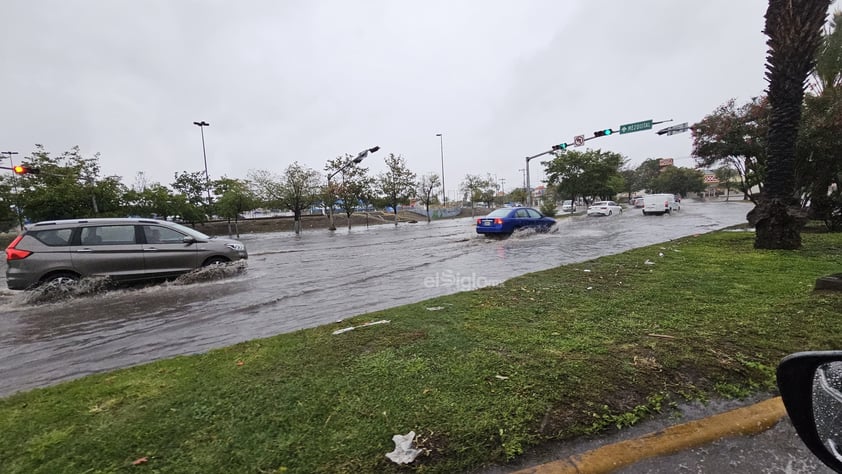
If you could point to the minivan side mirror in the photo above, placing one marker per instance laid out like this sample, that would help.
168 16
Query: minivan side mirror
811 388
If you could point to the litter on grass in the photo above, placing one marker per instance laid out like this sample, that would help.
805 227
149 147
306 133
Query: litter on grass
435 308
340 331
403 453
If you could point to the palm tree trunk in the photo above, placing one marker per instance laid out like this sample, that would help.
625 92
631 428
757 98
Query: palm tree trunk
794 31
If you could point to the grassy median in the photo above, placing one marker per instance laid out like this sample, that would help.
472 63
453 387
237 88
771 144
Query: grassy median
480 376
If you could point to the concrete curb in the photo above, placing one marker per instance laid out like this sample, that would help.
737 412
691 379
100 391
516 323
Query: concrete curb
742 421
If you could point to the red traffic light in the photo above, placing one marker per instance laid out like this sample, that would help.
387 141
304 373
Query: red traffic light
23 169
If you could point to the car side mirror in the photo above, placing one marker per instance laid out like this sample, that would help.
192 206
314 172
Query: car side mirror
188 239
811 388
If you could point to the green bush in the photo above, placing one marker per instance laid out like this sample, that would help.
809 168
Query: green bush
548 208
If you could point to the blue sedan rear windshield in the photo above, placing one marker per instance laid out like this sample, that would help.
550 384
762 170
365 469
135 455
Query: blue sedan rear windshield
499 213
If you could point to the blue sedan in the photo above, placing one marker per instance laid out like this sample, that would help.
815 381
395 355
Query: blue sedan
507 220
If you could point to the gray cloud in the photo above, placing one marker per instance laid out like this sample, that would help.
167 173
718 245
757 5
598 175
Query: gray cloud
307 81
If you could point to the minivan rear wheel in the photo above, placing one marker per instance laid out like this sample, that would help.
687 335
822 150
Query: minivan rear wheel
60 279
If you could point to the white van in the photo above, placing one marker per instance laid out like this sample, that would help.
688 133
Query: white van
659 204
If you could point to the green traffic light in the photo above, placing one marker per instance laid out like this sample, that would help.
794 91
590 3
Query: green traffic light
608 131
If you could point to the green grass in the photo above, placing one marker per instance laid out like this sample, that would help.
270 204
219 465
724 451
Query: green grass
556 354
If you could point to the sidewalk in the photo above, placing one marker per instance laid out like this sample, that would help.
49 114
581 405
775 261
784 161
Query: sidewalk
749 435
743 421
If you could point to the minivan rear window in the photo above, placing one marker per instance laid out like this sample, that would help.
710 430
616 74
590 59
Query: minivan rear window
53 237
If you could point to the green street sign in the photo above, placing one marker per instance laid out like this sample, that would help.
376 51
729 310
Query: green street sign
636 127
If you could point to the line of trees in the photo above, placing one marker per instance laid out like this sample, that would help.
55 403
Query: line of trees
785 146
597 174
71 185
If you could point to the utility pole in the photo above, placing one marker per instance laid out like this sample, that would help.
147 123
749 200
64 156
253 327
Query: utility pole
443 189
503 189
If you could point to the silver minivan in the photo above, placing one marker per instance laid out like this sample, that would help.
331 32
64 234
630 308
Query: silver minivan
121 249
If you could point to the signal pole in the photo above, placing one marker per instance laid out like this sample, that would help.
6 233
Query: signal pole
15 186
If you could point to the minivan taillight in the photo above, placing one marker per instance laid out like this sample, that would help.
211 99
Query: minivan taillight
16 254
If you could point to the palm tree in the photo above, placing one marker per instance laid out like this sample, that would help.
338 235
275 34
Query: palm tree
820 145
827 74
794 28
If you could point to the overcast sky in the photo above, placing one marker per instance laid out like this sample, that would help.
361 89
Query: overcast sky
283 81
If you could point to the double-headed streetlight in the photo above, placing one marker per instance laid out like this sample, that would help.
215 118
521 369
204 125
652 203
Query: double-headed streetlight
202 126
359 158
443 189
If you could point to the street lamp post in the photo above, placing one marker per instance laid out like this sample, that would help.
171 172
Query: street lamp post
202 126
443 189
359 158
15 186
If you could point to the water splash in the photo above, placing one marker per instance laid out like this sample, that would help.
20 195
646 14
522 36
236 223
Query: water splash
212 272
56 292
86 287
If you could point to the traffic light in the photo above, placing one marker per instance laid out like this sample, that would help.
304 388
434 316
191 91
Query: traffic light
603 133
560 146
24 169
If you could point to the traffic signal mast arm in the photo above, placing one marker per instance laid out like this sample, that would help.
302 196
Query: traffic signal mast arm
634 127
581 139
22 169
597 134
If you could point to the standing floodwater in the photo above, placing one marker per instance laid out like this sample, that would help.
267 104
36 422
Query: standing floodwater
293 282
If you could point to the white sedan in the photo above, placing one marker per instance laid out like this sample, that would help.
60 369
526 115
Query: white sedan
604 208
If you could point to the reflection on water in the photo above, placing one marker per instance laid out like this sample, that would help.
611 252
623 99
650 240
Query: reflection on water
294 282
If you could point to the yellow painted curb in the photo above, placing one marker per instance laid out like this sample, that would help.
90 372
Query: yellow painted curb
742 421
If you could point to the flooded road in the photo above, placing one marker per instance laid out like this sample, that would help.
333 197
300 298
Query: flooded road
295 282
